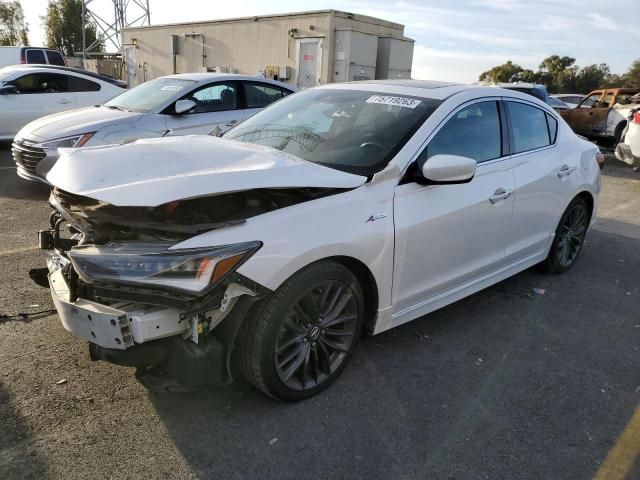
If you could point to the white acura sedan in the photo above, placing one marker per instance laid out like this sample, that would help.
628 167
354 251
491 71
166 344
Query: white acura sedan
345 209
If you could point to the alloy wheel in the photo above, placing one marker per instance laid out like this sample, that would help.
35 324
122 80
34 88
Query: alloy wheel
316 335
571 235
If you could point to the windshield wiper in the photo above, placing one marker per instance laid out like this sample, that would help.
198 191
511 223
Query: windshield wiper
115 107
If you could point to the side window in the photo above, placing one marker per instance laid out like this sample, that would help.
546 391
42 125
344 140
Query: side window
608 98
552 123
77 84
258 95
591 100
214 98
35 56
529 125
55 58
473 132
41 83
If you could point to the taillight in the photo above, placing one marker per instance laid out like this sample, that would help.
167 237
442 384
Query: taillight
636 117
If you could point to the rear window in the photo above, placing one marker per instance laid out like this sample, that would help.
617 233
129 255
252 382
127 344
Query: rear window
530 128
77 84
55 58
35 56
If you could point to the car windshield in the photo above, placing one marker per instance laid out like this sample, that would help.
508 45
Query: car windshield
149 95
353 131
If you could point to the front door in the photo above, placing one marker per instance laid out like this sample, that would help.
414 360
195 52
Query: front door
449 235
216 111
309 51
581 118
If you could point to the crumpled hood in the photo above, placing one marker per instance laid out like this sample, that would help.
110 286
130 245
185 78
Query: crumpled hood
74 122
151 172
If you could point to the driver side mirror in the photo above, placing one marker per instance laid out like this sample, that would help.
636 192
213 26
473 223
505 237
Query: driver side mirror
8 89
448 169
184 106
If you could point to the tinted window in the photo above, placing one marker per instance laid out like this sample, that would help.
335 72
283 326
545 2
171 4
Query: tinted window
529 125
55 58
553 128
259 95
214 98
35 56
473 132
41 83
77 84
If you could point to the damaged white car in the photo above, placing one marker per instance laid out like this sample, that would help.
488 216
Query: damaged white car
343 210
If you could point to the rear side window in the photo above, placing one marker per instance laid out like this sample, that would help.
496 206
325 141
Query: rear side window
77 84
473 132
530 128
35 56
55 58
258 95
552 123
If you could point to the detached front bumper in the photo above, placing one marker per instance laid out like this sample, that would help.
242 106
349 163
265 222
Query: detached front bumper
624 154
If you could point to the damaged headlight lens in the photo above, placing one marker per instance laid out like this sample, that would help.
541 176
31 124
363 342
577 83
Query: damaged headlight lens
192 270
66 142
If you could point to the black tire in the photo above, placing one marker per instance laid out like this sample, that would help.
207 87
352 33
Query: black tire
284 325
569 237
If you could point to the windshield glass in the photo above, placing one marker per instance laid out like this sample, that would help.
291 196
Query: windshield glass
349 130
149 95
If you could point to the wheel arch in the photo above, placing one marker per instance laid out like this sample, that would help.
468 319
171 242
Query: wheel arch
589 200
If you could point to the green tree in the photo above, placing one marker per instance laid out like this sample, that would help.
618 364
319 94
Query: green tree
558 73
13 29
507 72
63 27
631 79
592 77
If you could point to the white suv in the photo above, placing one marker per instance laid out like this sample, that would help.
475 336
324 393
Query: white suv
341 210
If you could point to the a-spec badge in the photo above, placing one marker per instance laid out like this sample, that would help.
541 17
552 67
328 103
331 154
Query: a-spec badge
376 216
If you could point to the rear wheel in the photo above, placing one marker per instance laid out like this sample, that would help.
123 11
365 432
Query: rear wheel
569 237
301 338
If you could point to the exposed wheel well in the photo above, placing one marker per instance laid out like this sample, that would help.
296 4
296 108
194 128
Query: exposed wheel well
369 287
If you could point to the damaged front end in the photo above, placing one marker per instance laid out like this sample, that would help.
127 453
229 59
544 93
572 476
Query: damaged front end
118 281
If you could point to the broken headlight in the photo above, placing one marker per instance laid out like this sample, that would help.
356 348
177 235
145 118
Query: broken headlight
192 270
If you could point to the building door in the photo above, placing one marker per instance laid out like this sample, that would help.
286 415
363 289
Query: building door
309 62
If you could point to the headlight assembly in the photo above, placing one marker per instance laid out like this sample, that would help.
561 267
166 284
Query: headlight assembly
152 264
66 142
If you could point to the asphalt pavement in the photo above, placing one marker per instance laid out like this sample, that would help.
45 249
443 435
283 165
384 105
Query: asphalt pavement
510 383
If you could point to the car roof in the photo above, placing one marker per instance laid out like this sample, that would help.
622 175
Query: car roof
79 71
212 76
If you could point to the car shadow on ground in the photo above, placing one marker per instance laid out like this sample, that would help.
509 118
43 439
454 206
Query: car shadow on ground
18 455
505 384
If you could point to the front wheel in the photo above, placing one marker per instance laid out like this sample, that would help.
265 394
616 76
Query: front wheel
569 237
301 338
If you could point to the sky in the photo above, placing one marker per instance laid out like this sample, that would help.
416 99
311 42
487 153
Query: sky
456 40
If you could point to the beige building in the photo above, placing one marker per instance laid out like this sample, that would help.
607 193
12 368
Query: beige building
304 49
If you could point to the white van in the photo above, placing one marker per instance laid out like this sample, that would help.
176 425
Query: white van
37 55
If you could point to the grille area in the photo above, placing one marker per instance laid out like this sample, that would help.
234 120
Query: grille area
27 156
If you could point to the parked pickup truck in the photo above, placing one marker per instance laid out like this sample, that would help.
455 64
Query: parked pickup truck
603 113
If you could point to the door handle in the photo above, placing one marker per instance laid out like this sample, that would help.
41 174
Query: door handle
499 195
64 101
232 123
565 170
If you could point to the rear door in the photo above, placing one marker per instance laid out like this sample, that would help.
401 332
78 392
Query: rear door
542 169
38 94
55 58
450 235
216 110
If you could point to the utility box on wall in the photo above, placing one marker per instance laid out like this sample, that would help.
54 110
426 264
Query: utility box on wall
173 44
354 56
394 59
